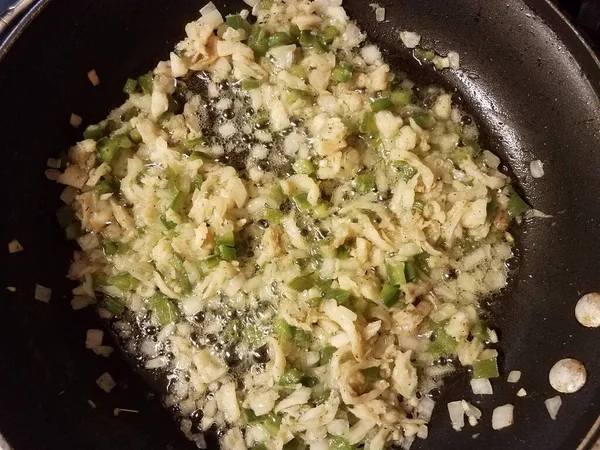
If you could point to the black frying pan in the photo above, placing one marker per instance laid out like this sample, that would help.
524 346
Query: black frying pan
527 77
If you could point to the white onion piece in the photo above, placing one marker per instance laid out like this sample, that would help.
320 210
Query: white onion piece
481 386
227 130
93 338
567 376
208 8
454 60
514 376
75 120
534 213
553 405
380 14
425 409
457 415
587 310
536 168
490 160
251 3
42 293
410 39
521 393
106 382
503 416
14 246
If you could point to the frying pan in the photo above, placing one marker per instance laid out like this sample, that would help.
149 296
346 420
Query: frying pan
527 78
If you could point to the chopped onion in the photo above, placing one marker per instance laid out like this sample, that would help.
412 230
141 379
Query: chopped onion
407 442
553 405
208 8
521 393
93 77
514 376
93 338
157 363
503 416
14 246
227 130
251 3
536 168
370 54
11 289
75 121
380 14
587 310
471 411
490 160
42 293
492 335
534 213
457 415
454 60
53 163
425 409
423 432
80 302
410 39
481 386
106 382
103 350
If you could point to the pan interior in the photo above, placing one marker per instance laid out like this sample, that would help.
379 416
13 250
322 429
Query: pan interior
529 83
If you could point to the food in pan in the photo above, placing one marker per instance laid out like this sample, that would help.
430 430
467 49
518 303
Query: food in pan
295 234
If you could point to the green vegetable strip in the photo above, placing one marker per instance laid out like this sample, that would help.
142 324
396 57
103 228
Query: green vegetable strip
342 73
304 166
364 182
485 368
130 86
146 82
410 271
279 39
283 330
165 311
292 376
516 205
114 305
396 275
372 373
389 295
123 281
380 104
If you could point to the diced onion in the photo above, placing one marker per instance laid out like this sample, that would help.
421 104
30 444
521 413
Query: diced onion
457 415
251 3
93 77
106 382
425 409
553 405
521 393
536 168
227 130
42 293
514 376
490 160
75 121
503 416
94 338
14 246
379 14
208 8
454 60
481 386
410 39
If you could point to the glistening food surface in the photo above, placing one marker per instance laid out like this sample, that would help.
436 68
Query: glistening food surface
295 235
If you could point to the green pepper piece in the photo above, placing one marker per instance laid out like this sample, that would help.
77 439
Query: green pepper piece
480 330
251 417
167 223
165 311
425 121
365 182
321 210
342 73
396 274
410 271
329 34
302 338
390 294
294 31
258 40
135 135
422 262
372 373
405 170
273 216
485 368
367 125
341 296
271 423
233 331
103 187
283 329
146 82
248 84
108 149
123 281
113 305
401 98
342 252
380 104
177 203
130 86
339 443
443 344
294 444
304 166
279 39
93 132
298 71
516 205
302 203
236 22
208 264
227 239
292 376
424 54
110 247
302 283
326 355
226 253
360 305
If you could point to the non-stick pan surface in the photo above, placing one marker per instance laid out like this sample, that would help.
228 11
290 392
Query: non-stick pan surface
527 78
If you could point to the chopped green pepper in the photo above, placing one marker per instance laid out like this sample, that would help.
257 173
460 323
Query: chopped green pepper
342 73
271 423
258 40
165 311
249 84
339 443
304 166
298 71
485 368
341 296
233 330
113 305
177 203
516 205
302 203
405 170
372 373
273 216
302 283
294 444
108 149
367 125
169 225
301 338
279 39
123 281
226 253
443 344
227 239
359 305
236 22
110 247
209 264
424 54
410 270
480 330
342 252
422 262
329 34
283 329
396 274
93 132
326 355
130 86
401 98
389 294
103 187
365 182
146 82
292 376
309 40
251 417
425 121
380 104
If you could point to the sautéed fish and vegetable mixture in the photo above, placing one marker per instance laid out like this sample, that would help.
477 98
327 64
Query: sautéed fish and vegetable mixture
293 233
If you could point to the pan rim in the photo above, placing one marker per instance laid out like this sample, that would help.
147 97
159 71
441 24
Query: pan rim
575 44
